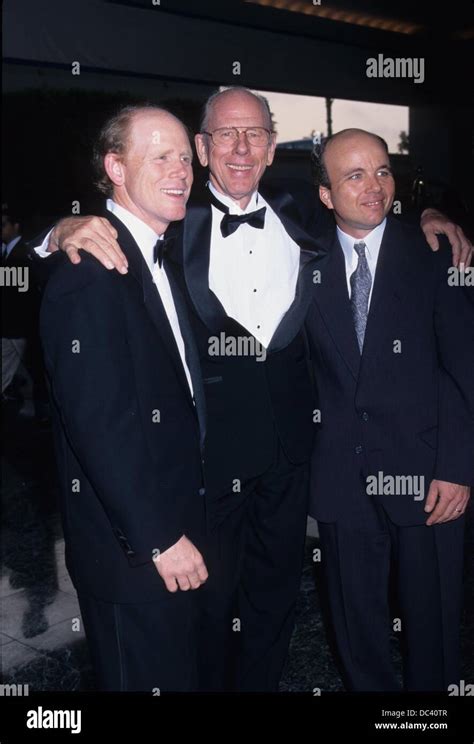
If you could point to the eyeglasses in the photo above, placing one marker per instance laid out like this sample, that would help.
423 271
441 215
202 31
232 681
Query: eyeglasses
228 136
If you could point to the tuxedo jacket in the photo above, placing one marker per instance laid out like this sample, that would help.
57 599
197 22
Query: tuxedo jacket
248 401
405 407
128 434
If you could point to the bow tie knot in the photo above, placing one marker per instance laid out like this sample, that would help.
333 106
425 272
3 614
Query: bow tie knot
230 222
161 246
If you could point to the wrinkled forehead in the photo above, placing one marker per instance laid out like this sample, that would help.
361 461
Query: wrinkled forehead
346 150
237 110
155 128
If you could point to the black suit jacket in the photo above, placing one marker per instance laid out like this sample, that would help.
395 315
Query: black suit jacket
401 409
128 434
248 400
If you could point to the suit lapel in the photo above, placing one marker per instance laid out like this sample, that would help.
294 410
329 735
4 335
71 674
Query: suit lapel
387 292
196 258
138 269
332 298
284 206
191 350
312 255
294 317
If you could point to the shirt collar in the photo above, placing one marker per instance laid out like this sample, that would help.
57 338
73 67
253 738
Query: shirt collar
143 235
10 246
372 242
233 206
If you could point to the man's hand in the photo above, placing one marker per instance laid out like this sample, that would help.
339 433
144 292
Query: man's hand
435 223
181 566
446 501
92 234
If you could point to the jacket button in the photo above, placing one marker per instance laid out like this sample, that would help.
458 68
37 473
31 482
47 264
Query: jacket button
365 416
202 491
359 449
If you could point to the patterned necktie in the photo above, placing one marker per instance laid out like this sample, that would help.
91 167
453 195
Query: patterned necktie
361 282
230 222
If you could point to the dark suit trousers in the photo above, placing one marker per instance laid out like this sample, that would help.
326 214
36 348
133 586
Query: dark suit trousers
254 558
149 647
360 553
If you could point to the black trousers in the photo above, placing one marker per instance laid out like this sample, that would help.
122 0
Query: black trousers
254 557
358 553
149 647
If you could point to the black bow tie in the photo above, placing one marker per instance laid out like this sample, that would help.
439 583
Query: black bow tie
162 245
230 222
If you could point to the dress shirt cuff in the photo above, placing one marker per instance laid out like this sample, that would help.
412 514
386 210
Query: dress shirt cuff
42 250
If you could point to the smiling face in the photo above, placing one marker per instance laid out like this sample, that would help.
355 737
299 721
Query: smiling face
236 170
153 177
362 186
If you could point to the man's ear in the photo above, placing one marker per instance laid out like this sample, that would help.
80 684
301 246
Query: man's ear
325 196
271 149
202 149
114 168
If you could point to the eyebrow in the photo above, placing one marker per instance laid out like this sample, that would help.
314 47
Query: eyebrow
241 126
164 152
358 170
170 150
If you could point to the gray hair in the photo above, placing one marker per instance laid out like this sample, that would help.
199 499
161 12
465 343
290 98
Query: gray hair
209 105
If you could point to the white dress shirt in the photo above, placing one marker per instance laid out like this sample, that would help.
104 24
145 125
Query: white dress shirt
42 250
253 272
146 239
372 249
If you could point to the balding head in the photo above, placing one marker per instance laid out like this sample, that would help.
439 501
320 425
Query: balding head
238 95
318 163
